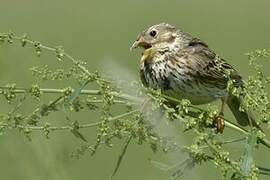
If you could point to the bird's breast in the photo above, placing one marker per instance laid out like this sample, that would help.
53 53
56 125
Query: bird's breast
178 80
163 74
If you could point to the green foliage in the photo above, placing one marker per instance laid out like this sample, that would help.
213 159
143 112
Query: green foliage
133 124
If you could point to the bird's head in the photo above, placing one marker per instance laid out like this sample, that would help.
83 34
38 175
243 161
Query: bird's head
157 38
159 35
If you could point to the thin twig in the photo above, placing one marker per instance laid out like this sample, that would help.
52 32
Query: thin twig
53 128
53 49
83 92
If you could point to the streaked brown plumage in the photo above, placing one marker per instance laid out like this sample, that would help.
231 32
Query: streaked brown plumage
185 67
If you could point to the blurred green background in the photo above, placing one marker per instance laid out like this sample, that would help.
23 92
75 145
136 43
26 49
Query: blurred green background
100 32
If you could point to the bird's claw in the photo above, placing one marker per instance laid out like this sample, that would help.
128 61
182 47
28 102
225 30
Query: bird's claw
219 123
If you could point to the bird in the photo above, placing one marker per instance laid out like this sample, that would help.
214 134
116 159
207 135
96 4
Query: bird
185 67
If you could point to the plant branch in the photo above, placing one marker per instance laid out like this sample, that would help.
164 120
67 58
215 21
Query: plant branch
53 128
82 92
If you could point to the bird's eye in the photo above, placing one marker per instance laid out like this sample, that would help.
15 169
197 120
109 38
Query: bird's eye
153 33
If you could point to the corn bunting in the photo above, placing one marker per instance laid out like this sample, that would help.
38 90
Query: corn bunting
184 67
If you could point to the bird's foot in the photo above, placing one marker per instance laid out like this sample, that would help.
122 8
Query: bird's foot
219 123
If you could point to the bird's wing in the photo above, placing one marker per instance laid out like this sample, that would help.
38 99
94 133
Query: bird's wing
209 67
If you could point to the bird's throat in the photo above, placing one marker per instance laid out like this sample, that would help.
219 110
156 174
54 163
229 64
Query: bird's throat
146 56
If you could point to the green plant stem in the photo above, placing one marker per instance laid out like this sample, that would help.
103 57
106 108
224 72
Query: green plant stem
52 49
53 128
126 97
228 123
83 92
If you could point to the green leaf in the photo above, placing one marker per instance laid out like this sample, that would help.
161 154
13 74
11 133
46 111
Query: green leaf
247 162
77 134
160 165
121 156
75 131
74 95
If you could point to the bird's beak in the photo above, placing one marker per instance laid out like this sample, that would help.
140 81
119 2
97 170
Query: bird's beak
134 45
140 42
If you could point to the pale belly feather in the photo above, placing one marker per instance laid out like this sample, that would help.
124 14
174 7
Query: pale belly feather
179 85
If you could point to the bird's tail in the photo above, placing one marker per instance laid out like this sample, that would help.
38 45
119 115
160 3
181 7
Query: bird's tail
242 117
